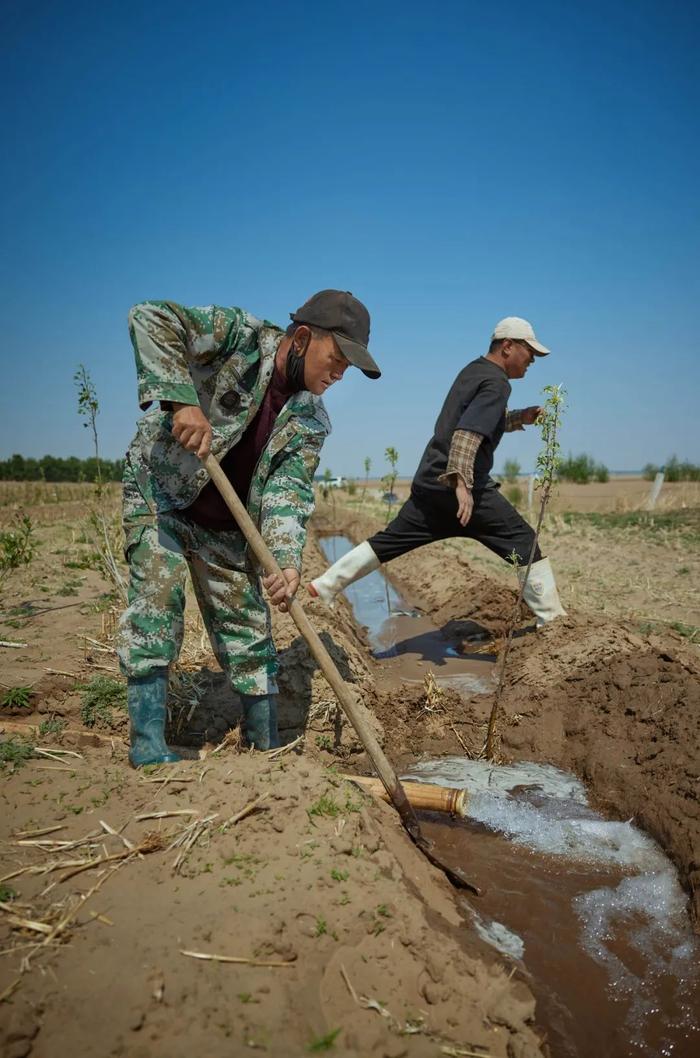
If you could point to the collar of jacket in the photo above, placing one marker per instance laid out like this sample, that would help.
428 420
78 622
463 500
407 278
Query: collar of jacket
248 375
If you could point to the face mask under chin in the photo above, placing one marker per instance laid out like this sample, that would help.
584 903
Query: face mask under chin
295 370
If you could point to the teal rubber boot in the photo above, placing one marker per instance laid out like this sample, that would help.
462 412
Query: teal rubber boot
260 720
146 697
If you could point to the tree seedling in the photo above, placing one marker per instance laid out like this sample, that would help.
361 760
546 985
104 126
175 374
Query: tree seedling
88 410
389 481
546 472
368 467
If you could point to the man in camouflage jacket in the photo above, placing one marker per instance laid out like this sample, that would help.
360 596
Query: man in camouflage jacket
249 393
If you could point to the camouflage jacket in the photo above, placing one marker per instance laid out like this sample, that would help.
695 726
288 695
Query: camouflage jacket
222 359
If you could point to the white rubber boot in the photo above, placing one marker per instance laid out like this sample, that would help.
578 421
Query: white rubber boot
351 567
541 593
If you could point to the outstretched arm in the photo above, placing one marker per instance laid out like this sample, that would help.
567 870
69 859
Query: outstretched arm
517 420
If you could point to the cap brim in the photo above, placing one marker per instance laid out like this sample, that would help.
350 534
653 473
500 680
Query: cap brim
358 355
538 350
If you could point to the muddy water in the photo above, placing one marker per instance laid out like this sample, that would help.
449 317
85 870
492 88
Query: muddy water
407 643
589 909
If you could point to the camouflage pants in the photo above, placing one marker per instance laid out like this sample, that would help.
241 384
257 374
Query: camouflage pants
159 549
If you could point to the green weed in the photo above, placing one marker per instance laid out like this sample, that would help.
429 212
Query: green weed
15 752
71 587
325 806
688 631
101 696
7 893
324 1043
339 876
17 696
17 546
88 561
103 602
321 926
52 725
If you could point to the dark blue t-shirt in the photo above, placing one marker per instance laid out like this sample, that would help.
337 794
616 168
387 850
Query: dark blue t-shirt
476 402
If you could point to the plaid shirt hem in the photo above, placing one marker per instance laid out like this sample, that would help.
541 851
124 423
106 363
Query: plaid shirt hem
460 462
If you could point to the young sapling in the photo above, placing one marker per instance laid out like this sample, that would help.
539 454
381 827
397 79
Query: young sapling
547 465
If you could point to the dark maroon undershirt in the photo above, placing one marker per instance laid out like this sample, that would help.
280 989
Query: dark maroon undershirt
209 509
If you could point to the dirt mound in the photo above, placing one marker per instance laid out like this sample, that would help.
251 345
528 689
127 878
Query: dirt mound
344 932
625 716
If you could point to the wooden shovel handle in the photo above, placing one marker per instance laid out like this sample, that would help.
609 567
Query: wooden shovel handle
343 692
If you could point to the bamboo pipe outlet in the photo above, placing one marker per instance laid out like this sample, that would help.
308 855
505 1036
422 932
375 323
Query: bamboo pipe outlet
427 796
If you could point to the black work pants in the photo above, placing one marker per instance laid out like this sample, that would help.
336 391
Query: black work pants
495 523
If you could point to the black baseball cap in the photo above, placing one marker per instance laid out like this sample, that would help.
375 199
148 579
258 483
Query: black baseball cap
347 319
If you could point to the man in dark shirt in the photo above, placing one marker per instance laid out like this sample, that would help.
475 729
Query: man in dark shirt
452 492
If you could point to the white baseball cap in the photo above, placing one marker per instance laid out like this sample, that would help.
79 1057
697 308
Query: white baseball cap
520 330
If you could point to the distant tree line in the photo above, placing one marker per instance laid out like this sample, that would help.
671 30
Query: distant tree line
582 469
57 468
675 469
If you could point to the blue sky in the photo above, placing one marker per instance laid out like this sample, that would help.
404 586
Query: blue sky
447 163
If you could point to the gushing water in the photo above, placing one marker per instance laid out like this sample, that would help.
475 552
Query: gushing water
633 923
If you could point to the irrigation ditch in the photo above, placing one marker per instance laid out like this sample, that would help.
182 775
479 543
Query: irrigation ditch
584 841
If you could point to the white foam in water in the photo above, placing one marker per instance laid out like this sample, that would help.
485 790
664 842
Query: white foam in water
499 936
561 825
473 775
648 908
